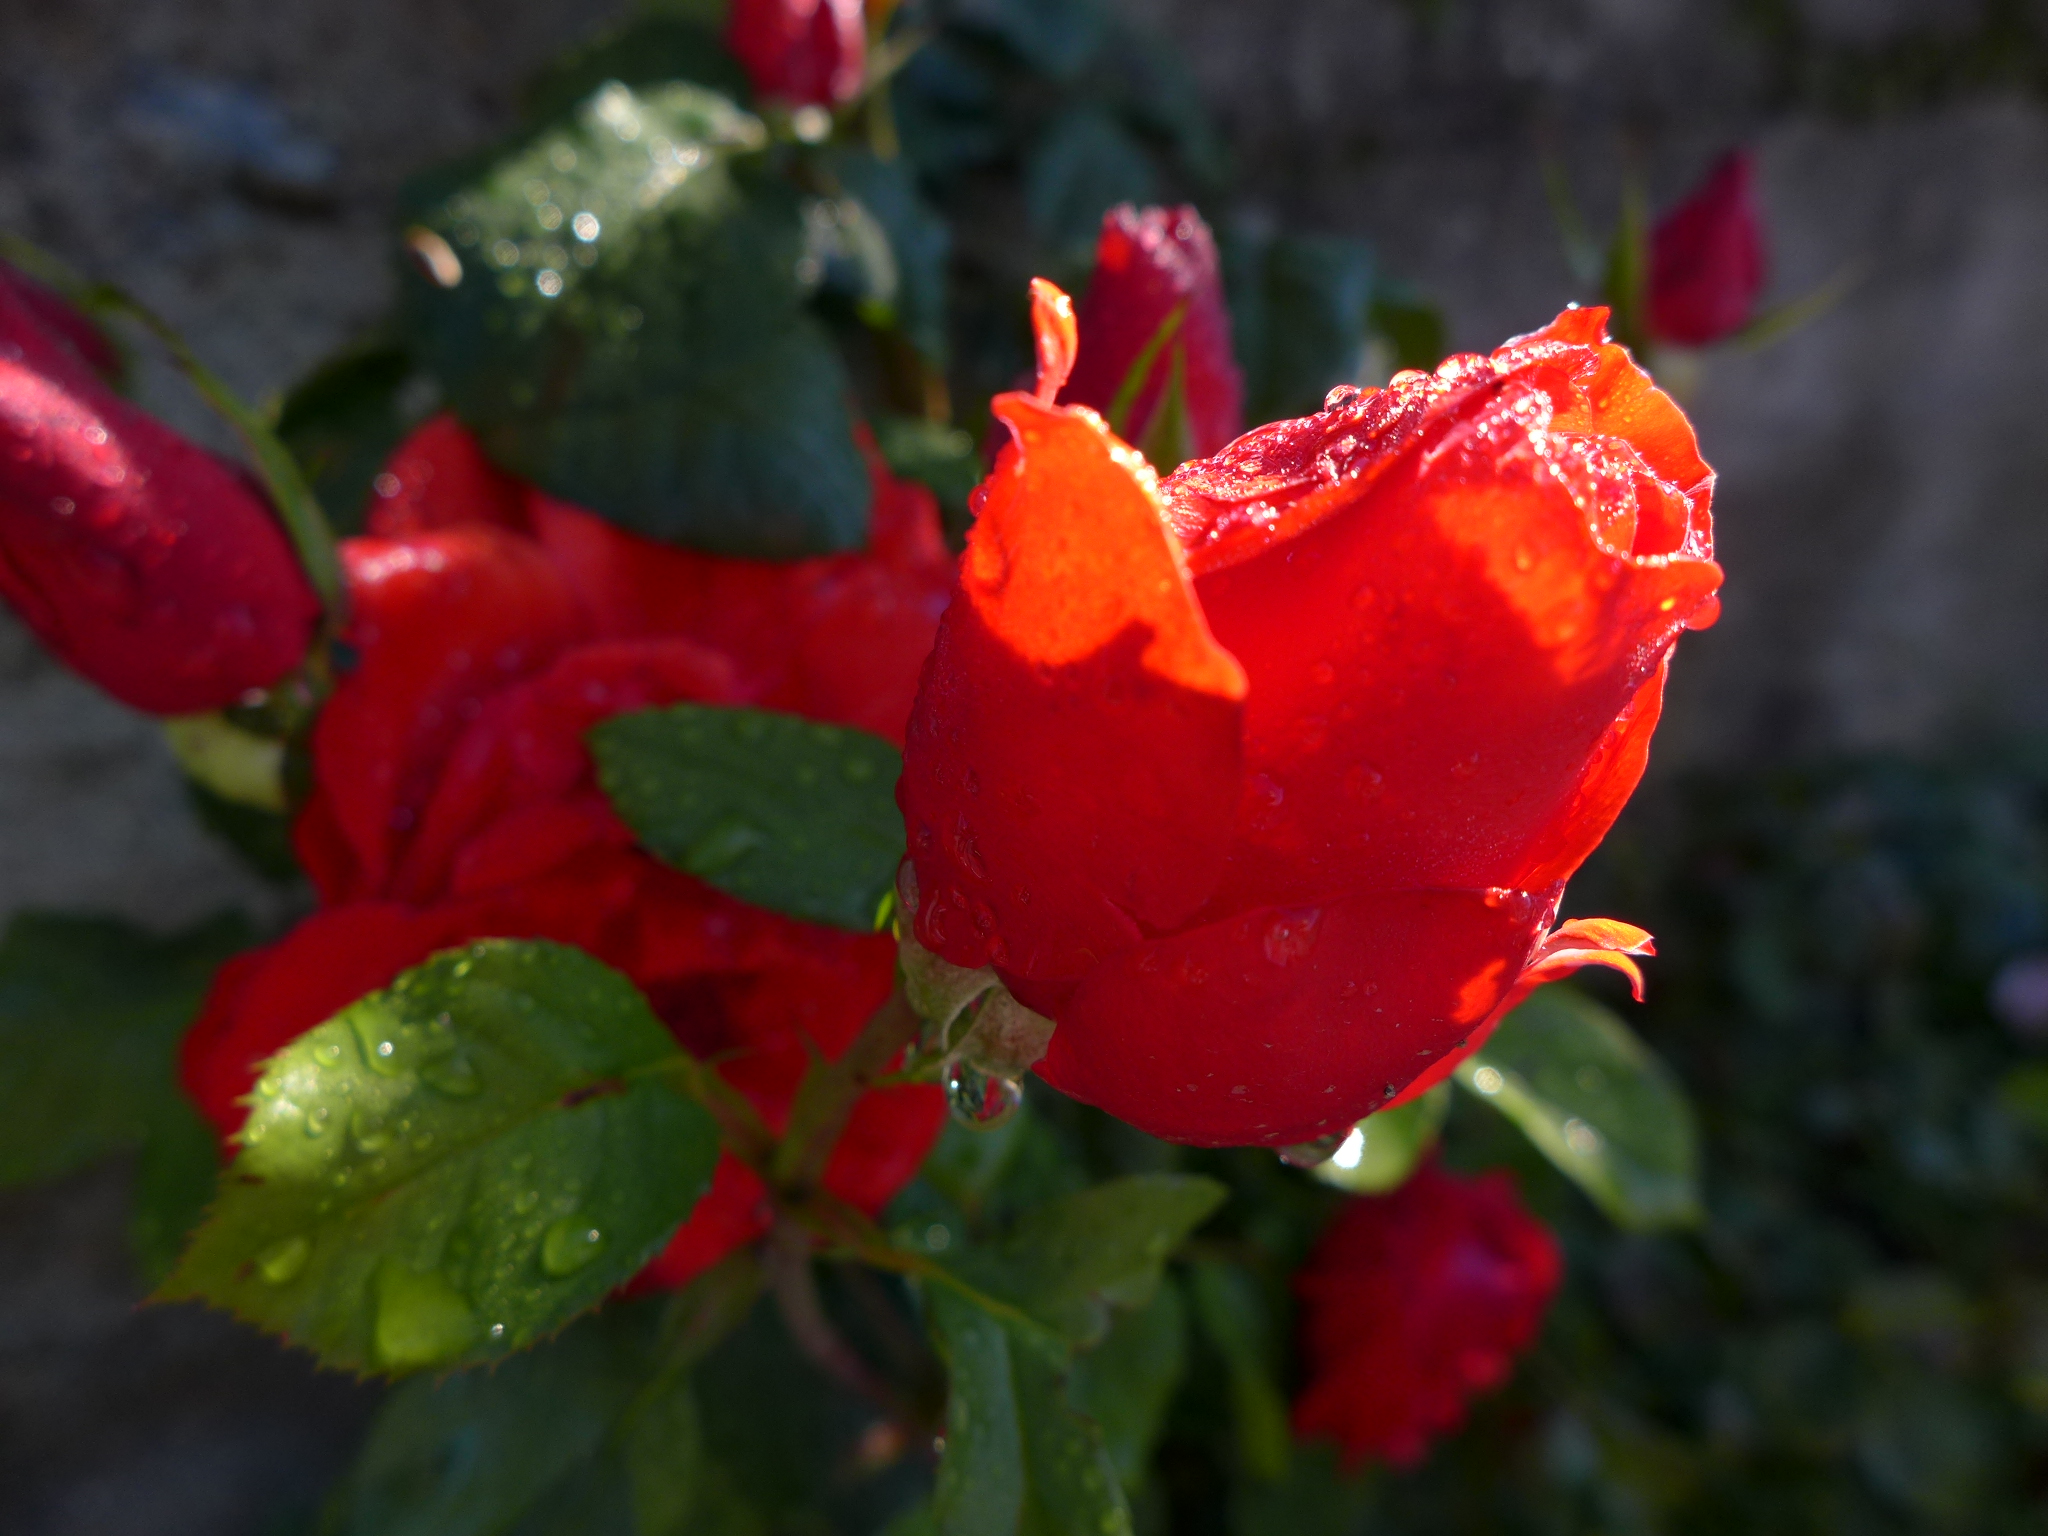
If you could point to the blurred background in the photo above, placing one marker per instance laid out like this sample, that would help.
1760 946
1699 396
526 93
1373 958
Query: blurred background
1842 846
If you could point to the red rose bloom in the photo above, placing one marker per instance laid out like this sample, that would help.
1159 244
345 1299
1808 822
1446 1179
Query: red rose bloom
454 798
1263 782
1707 263
151 567
1414 1303
805 52
1149 264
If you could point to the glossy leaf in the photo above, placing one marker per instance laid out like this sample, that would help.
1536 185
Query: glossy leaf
649 50
587 1434
1068 1259
615 305
784 812
1126 1382
1594 1100
453 1168
341 422
90 1014
939 457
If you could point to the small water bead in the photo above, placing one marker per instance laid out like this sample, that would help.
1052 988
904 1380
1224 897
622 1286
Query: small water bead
455 1076
317 1118
980 1100
420 1318
284 1260
1292 935
568 1245
1313 1154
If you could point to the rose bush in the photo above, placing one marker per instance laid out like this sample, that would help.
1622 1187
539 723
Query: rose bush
1412 1304
1263 782
453 798
148 565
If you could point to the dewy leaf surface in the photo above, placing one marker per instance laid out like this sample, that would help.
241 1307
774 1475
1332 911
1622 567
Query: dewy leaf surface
780 811
453 1168
1597 1102
90 1014
614 304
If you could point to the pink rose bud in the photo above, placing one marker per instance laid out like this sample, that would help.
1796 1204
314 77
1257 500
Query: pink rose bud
804 52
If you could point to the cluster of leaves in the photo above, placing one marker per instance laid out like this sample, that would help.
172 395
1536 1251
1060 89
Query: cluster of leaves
657 302
1855 1338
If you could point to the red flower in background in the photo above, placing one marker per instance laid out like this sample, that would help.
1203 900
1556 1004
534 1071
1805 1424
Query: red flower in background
1263 782
1707 261
805 52
454 799
1149 264
149 566
1413 1304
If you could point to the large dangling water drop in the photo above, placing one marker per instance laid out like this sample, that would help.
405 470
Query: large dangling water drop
980 1100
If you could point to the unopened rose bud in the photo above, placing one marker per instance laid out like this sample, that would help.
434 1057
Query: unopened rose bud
1707 261
148 565
802 52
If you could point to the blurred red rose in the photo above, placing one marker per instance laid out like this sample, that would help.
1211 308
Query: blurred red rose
1413 1304
148 565
454 798
1148 264
805 52
1264 783
1707 261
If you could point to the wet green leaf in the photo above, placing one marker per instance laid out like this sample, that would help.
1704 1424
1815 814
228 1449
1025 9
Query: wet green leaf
1126 1382
650 50
616 304
341 422
1234 1319
920 244
453 1168
1595 1101
90 1014
784 812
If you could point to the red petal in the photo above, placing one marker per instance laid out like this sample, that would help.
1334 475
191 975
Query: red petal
1435 657
1281 1026
441 623
1073 757
1057 339
439 478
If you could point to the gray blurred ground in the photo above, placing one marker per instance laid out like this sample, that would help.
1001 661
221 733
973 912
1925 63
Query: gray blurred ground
1881 511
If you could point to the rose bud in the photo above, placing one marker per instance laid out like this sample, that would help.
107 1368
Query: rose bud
148 565
1707 261
1414 1303
802 52
1263 782
58 318
1151 267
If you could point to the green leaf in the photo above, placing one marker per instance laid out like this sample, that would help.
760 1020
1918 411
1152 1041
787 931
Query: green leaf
620 314
781 811
919 240
940 457
453 1168
90 1014
1300 306
980 1488
1056 37
1594 1100
1234 1319
1085 164
1068 1259
176 1174
1018 1458
1126 1381
341 422
1388 1145
1411 326
589 1433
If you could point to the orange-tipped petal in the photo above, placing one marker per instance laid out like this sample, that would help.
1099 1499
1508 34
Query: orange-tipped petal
1057 337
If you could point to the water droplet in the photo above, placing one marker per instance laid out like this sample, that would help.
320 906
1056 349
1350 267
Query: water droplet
1488 1081
420 1318
1292 935
281 1262
980 1100
1322 672
330 1051
497 1330
317 1118
377 1037
1581 1137
1313 1154
729 841
455 1076
568 1245
1364 597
